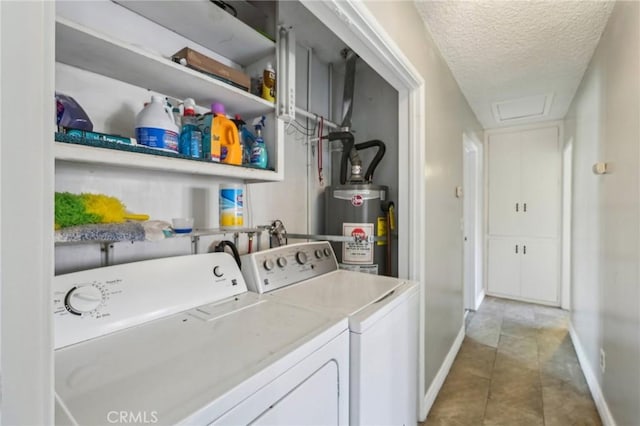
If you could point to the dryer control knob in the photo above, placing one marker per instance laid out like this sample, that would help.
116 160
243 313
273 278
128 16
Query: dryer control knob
301 257
268 264
318 254
282 262
327 252
217 271
83 299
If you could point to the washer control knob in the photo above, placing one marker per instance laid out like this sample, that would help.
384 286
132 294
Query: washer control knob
83 299
268 264
327 252
217 271
282 262
301 257
318 254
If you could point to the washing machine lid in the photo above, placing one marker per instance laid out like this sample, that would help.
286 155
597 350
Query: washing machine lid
342 292
187 368
364 319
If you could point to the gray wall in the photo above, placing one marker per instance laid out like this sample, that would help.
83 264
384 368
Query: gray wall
604 122
447 116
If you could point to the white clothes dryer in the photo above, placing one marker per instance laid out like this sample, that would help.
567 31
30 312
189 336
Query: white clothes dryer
383 322
181 341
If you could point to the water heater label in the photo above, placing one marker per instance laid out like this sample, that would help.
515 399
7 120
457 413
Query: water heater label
359 250
357 200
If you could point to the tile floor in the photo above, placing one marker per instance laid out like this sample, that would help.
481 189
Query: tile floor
516 366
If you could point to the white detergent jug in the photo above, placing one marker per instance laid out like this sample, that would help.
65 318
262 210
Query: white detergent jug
155 126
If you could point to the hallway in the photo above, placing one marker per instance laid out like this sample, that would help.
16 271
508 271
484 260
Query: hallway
516 366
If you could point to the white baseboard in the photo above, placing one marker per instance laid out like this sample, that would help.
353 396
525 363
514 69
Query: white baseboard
437 382
479 299
592 380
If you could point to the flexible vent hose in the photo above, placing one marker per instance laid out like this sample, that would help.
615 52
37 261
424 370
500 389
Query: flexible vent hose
368 176
220 248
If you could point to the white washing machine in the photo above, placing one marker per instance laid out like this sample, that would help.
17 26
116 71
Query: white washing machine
383 322
181 341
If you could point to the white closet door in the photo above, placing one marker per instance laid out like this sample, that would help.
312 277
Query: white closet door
539 270
504 184
504 266
540 182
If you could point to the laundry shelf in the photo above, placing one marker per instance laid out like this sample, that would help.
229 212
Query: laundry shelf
69 152
111 236
208 25
90 50
196 233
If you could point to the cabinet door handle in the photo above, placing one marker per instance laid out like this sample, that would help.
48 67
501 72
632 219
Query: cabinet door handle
524 207
524 249
516 207
516 249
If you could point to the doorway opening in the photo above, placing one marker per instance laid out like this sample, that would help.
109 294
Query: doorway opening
472 166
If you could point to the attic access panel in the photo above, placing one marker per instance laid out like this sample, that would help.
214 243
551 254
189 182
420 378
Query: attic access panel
537 106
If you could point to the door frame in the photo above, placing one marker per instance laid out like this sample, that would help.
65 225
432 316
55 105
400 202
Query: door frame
473 289
26 211
353 23
567 189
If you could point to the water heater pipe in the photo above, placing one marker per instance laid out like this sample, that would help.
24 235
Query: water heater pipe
368 176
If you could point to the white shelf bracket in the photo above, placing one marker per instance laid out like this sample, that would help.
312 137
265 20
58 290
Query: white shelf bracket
286 64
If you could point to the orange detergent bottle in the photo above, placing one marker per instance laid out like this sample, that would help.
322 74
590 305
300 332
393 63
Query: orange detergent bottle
224 134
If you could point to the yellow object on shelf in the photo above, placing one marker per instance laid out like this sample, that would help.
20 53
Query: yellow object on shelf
83 209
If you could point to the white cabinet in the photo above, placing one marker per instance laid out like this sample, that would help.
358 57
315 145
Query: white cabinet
539 271
504 266
524 199
540 179
525 268
504 186
524 183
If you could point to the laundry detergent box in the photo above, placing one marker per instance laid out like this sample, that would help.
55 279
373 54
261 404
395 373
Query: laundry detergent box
210 147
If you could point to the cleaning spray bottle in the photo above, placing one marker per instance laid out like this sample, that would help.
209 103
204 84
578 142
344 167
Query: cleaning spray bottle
190 136
259 156
246 138
224 134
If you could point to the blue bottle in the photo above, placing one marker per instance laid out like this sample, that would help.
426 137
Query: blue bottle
259 156
190 135
248 139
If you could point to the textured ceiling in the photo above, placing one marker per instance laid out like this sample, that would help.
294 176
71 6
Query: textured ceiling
506 50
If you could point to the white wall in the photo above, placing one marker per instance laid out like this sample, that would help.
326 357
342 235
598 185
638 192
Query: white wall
604 122
447 117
